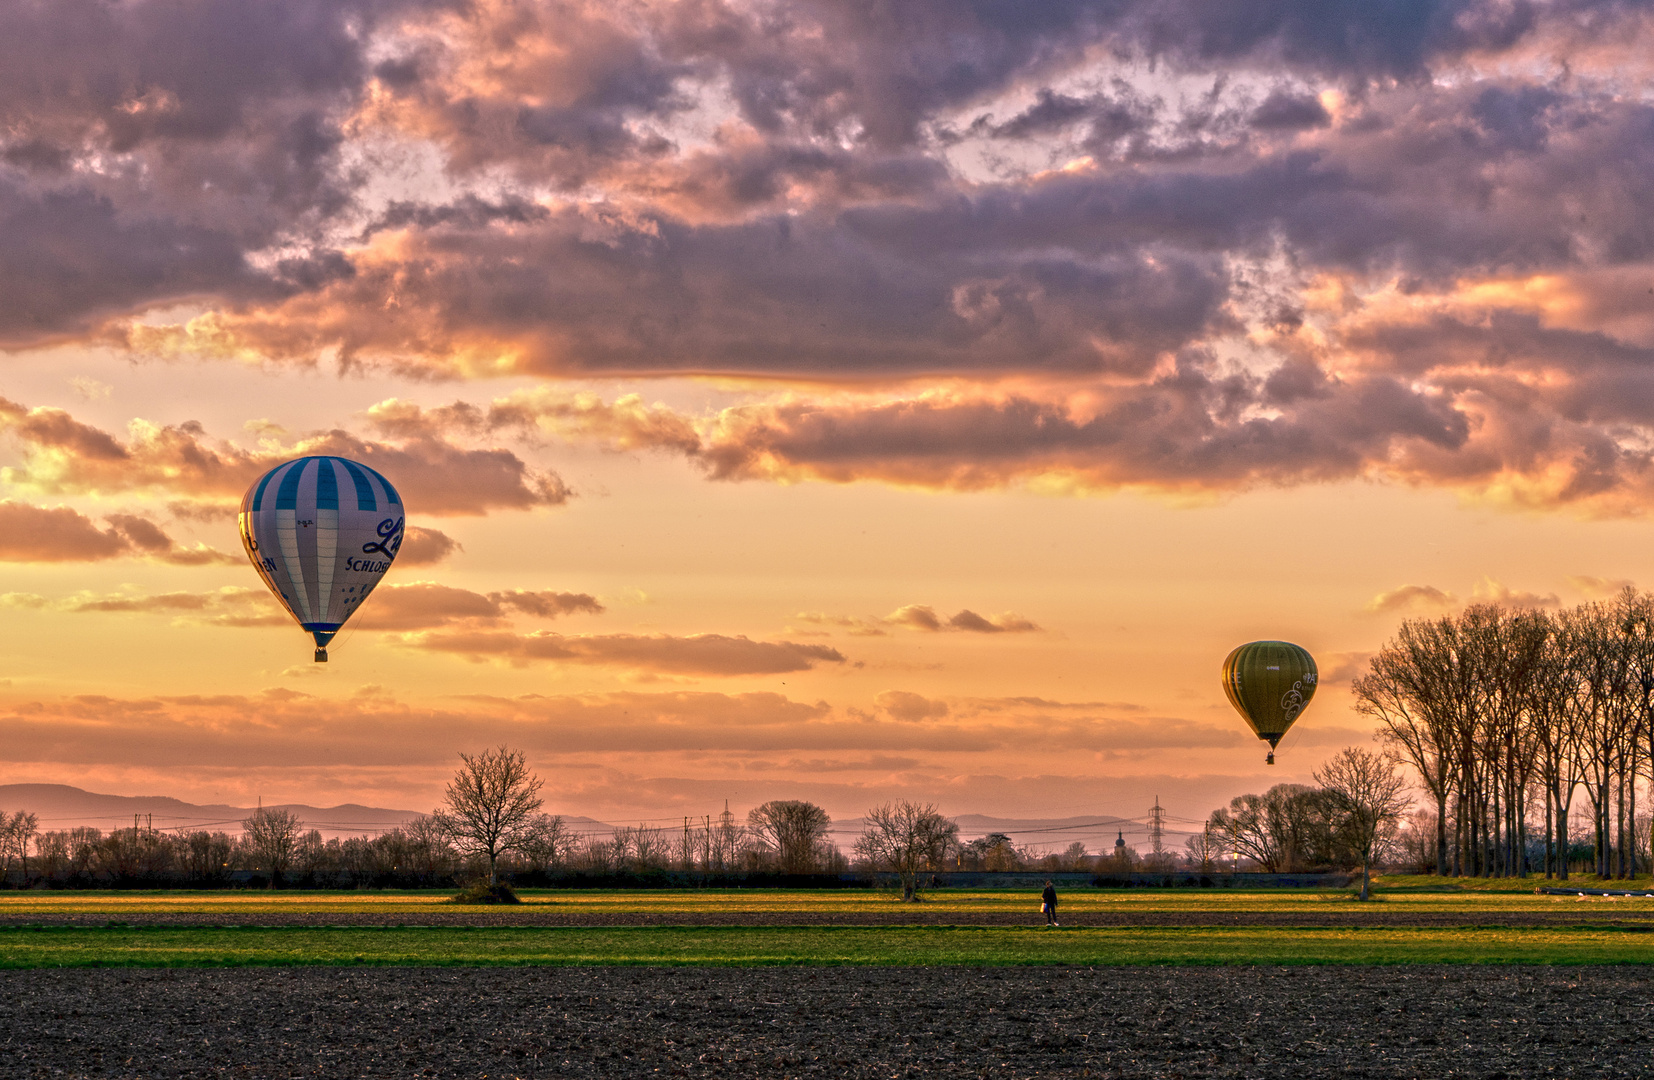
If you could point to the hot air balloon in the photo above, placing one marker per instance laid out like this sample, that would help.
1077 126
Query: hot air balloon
1269 683
321 532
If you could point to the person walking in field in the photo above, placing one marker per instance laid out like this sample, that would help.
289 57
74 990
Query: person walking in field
1048 904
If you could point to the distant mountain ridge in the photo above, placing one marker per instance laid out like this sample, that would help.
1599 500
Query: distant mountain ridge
61 806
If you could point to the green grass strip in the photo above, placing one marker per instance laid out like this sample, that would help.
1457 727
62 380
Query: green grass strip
1463 900
123 946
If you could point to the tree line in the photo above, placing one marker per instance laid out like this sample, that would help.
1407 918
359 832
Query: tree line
1508 716
491 825
1350 819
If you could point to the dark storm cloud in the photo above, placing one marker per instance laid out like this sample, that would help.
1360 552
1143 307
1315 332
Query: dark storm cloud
892 67
1373 202
1340 37
69 257
1095 270
861 294
1186 430
154 144
161 145
1288 111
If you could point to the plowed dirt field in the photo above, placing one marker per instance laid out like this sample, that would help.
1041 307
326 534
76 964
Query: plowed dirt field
1165 1023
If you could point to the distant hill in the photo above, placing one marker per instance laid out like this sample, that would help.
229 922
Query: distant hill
63 807
60 806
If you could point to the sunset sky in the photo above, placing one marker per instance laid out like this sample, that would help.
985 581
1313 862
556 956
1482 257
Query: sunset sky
803 398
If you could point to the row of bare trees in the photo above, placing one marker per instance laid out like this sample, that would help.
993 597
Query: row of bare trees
491 821
140 856
1508 715
1350 819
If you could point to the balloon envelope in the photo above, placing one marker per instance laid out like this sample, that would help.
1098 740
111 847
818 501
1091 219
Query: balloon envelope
321 532
1269 683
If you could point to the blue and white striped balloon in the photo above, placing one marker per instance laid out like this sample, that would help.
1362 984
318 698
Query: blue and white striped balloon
321 532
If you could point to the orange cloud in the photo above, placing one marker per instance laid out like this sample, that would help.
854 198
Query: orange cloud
413 606
60 534
281 727
1006 623
910 707
857 627
36 534
916 617
1411 598
1489 591
923 617
1423 400
64 456
1597 587
425 604
626 423
700 654
425 547
229 606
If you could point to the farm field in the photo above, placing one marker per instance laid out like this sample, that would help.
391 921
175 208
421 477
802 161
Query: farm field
25 947
1406 901
1409 921
1233 1022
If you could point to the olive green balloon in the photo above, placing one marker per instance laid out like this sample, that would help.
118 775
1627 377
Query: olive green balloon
1270 684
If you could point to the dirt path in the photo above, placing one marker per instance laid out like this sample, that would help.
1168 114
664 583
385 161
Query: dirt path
1165 1023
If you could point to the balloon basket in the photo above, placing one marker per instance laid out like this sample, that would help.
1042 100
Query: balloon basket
1269 759
321 658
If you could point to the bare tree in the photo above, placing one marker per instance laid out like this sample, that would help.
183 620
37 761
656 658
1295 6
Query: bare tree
85 842
52 854
429 853
908 839
548 842
1074 857
16 834
310 855
1203 849
796 830
206 856
992 852
600 855
641 848
1370 795
491 804
272 837
1283 830
1418 689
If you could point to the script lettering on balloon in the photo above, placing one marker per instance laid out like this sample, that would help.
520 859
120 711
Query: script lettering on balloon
1292 702
390 540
